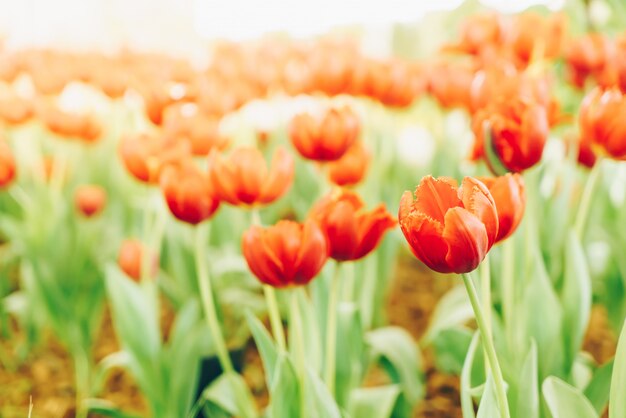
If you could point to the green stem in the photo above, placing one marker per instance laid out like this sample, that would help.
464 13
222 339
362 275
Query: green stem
485 288
275 319
331 331
508 288
295 326
586 198
81 369
489 347
208 302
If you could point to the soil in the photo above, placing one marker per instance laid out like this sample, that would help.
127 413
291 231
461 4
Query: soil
47 377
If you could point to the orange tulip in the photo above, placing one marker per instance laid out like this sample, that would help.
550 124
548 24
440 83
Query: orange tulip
518 130
130 259
350 169
243 178
188 192
286 254
535 36
509 194
449 228
450 83
588 56
325 139
602 121
185 123
480 32
71 125
8 169
145 155
16 110
352 231
90 199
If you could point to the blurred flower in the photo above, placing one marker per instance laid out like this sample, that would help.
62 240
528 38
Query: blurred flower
130 259
588 56
449 228
601 118
350 169
188 192
183 122
517 131
450 82
393 82
243 178
286 254
352 231
15 110
8 168
509 194
90 199
71 125
326 138
145 155
535 36
478 33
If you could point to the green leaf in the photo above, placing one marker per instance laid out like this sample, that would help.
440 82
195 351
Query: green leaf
575 298
488 407
450 346
453 309
310 333
526 402
230 392
373 402
597 391
397 346
285 391
467 404
318 398
617 402
106 408
265 345
350 352
566 401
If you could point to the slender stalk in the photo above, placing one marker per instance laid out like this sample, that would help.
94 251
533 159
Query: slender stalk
295 326
489 347
275 319
508 289
208 303
586 198
331 331
81 370
485 288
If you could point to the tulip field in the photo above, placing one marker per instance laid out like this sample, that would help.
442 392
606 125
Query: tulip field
302 228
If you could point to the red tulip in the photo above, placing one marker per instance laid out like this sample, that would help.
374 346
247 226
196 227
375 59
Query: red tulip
509 194
243 178
90 199
8 168
286 254
188 192
326 139
350 169
518 131
130 259
352 231
602 121
449 228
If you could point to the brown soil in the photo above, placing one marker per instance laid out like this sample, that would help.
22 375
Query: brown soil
47 375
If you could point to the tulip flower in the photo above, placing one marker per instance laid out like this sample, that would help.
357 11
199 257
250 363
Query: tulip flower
145 155
450 83
15 110
509 194
201 131
517 132
188 192
601 119
71 125
350 169
588 56
244 178
8 167
449 228
352 231
286 254
534 36
90 200
325 139
130 259
480 32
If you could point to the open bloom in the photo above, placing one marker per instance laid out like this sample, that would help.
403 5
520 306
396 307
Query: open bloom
188 192
589 55
243 178
130 259
510 134
602 121
352 231
7 165
325 139
286 254
90 199
350 169
449 228
184 122
509 194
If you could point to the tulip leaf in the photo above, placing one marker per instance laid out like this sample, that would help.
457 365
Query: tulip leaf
453 309
576 297
566 401
310 332
318 398
617 401
265 345
350 351
526 403
373 402
450 346
230 393
285 390
467 404
488 407
598 389
106 408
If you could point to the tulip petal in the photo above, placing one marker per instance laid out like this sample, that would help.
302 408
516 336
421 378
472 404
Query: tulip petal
477 200
280 177
261 258
467 239
372 226
313 253
424 236
434 196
